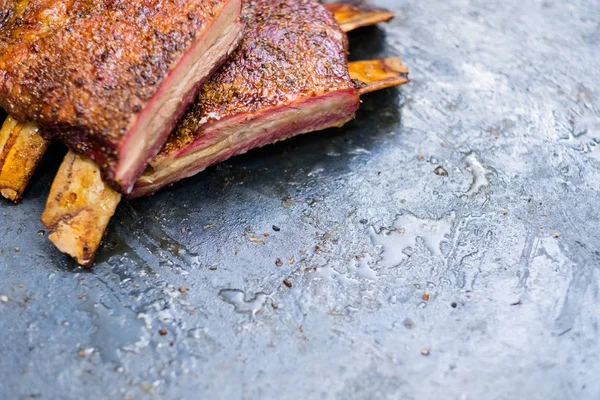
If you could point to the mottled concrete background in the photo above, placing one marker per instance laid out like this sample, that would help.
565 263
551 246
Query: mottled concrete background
442 246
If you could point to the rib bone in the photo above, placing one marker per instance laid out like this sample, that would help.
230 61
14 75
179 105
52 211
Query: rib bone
21 148
79 208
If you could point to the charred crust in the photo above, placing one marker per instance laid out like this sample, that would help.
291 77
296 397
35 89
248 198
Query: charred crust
290 49
8 146
84 75
358 84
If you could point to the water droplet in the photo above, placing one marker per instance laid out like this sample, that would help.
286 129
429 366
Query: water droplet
480 175
197 333
237 298
109 316
408 323
360 268
403 235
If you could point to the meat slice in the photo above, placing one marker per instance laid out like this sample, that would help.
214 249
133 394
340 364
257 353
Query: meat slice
235 135
289 76
110 78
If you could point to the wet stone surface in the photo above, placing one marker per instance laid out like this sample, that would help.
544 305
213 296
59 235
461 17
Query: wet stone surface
400 282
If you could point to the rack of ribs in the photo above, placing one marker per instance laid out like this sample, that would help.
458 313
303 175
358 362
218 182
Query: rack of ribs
26 141
111 78
289 76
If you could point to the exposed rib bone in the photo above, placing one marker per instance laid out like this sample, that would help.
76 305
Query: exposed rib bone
21 149
378 74
79 208
351 16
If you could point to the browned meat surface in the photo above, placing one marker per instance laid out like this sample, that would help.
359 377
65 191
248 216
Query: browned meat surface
110 78
289 76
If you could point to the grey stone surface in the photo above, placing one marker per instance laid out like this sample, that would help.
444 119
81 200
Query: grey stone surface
504 105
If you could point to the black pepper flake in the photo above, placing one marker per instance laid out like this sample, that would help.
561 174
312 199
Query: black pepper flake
440 171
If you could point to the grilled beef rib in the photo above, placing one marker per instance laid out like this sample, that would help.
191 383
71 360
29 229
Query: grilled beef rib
110 78
324 94
289 76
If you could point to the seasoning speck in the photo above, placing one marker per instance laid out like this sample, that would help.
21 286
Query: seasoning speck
440 171
426 351
83 353
276 228
453 304
287 283
162 332
278 262
182 289
426 296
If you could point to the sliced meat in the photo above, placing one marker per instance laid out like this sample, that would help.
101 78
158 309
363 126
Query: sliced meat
289 76
236 136
110 78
